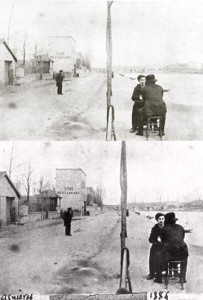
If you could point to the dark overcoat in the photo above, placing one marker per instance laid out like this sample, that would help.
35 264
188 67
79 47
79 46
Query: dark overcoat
174 246
154 104
59 79
155 248
138 103
67 217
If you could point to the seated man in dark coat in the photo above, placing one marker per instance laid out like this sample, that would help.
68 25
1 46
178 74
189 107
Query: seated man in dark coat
154 104
155 239
138 101
174 247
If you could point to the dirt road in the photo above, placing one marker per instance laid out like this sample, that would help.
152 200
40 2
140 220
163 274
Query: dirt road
37 113
41 259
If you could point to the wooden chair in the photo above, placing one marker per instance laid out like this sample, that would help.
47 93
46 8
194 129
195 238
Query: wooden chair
173 270
150 121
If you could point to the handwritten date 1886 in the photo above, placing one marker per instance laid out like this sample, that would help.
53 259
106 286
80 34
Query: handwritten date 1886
159 295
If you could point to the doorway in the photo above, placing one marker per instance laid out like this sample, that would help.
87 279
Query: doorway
9 210
8 73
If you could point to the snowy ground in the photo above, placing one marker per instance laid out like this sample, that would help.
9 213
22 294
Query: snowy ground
36 112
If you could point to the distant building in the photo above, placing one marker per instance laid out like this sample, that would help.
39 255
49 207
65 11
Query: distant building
9 200
51 200
71 186
7 64
48 201
43 64
195 65
62 50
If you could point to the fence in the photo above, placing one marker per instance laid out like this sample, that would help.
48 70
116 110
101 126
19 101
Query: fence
38 216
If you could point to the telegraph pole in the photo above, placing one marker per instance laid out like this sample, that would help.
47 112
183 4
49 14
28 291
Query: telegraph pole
11 160
110 131
109 53
9 23
123 183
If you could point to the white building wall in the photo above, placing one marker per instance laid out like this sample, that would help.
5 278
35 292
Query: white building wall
62 50
71 186
6 190
5 55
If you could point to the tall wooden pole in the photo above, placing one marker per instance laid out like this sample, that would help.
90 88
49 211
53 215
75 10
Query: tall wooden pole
9 23
123 183
11 160
109 53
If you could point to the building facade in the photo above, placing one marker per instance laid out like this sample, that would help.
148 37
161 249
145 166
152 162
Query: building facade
71 186
62 51
9 201
51 200
7 64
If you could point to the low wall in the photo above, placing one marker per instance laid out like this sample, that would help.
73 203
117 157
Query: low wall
92 208
38 216
23 210
33 77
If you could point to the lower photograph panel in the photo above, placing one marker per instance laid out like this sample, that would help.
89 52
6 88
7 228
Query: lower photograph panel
79 219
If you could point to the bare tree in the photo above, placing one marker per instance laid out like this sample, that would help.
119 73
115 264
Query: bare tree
37 52
42 186
12 160
24 51
27 182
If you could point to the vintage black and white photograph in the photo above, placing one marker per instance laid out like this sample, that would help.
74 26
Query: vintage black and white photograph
101 150
66 64
68 208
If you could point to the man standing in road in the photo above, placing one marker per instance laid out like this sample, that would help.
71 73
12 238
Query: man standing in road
154 104
155 239
59 82
67 217
138 101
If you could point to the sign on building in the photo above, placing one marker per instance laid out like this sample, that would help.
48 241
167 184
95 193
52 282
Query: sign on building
71 186
62 50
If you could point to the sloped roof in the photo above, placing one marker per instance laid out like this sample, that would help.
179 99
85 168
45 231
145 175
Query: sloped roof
50 194
3 174
2 41
43 57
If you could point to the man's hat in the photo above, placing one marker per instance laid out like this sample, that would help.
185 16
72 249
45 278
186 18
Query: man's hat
60 71
139 77
69 208
159 215
170 218
150 78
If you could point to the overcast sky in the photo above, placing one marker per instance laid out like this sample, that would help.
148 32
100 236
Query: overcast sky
144 32
169 171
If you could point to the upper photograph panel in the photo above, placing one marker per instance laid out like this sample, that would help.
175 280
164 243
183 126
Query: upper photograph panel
97 70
